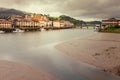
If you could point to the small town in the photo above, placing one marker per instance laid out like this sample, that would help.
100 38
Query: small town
39 22
32 22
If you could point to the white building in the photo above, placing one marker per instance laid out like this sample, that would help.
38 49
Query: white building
28 24
62 24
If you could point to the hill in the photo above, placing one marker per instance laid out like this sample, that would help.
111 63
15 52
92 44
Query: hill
5 13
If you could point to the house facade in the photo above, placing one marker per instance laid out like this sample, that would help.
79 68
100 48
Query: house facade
23 24
5 23
43 20
62 24
111 21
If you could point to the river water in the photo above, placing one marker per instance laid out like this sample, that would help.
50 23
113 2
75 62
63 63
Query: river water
37 49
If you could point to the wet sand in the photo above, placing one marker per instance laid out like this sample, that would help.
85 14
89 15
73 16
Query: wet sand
101 50
18 71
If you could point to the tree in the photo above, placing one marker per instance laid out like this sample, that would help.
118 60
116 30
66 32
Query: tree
72 20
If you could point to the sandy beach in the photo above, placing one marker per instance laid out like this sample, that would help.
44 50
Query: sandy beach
101 50
18 71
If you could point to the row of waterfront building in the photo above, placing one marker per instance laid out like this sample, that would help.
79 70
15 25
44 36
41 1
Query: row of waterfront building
33 21
38 21
111 21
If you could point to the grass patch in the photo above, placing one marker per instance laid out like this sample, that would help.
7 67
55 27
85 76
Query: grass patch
111 29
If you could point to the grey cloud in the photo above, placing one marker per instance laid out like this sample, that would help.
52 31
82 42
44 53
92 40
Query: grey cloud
93 8
74 8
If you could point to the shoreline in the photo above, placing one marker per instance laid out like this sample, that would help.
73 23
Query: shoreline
10 70
101 50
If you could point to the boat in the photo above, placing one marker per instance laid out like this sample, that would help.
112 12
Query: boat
2 32
42 29
18 30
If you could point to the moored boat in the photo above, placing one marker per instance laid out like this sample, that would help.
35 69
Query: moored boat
2 32
18 30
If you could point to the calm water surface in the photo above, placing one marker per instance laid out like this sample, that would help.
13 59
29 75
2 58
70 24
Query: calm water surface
37 49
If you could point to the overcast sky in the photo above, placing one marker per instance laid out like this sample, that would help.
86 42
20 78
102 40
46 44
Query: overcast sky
80 9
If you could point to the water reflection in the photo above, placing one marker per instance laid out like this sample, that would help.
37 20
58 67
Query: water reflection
37 49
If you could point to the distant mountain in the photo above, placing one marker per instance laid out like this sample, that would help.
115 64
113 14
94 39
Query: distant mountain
3 9
5 13
94 22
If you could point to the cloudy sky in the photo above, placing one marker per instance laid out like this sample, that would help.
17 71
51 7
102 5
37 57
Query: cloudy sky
80 9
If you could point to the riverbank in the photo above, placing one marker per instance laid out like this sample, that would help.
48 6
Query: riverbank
101 50
111 29
17 71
